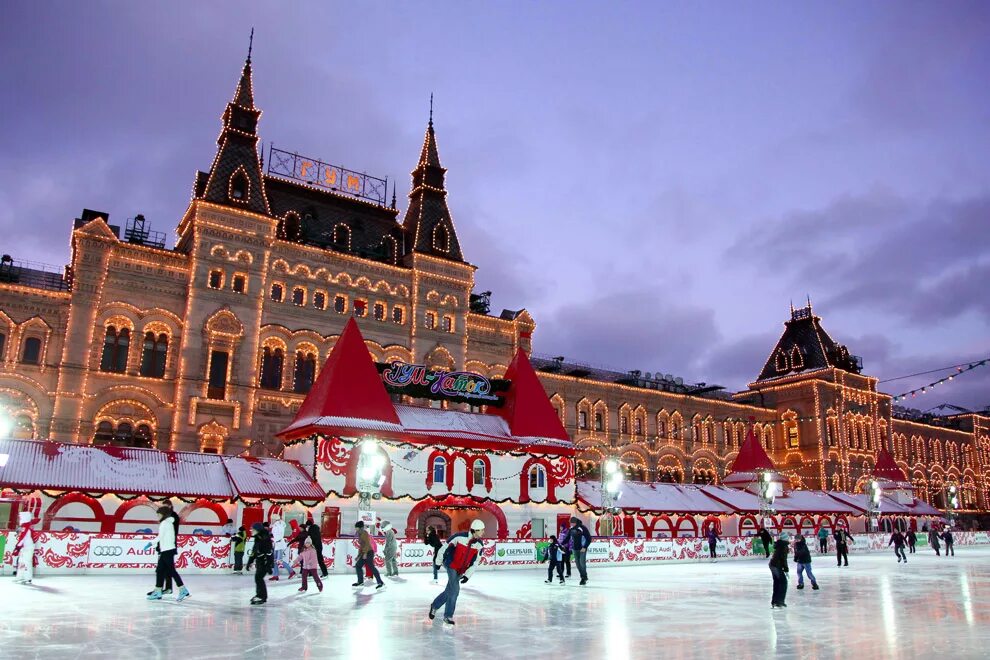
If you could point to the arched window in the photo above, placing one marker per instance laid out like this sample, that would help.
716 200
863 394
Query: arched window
240 187
216 279
439 470
398 315
23 428
340 304
115 345
441 239
379 311
154 354
638 426
390 249
104 433
583 420
239 284
272 362
448 324
479 472
320 300
277 292
305 372
780 362
289 228
299 296
599 422
342 237
124 436
430 320
537 477
143 436
623 424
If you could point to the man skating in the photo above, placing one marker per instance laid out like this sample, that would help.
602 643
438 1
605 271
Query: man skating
912 540
822 540
842 538
459 556
580 540
391 550
802 557
949 541
897 540
766 539
366 557
933 540
713 539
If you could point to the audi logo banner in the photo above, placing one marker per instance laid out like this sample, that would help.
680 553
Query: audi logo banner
123 551
417 554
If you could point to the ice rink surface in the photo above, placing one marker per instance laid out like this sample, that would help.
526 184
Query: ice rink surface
876 608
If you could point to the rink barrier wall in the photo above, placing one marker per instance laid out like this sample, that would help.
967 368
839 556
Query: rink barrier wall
81 552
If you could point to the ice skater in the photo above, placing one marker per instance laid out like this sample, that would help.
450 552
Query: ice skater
366 557
308 565
713 539
239 541
564 539
433 540
262 556
555 555
933 541
949 542
897 540
281 547
580 540
778 569
766 539
842 538
175 523
822 540
802 557
24 549
166 556
459 557
912 540
315 534
391 551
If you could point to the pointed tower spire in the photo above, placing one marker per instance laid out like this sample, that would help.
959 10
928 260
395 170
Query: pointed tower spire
235 177
428 222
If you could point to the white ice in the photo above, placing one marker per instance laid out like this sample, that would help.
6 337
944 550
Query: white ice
875 608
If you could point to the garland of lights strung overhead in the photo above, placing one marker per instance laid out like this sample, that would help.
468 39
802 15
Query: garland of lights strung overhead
959 371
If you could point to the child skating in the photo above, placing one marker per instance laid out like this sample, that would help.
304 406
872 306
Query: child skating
459 557
802 557
261 556
309 565
555 556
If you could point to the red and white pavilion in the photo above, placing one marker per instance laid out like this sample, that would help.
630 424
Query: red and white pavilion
510 465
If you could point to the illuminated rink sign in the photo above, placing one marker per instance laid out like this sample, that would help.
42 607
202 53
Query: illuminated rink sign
315 172
417 381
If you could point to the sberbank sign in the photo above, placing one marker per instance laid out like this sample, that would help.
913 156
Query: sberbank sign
598 551
510 553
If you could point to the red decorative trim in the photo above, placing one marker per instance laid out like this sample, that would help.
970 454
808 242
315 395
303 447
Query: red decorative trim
690 519
203 504
708 522
99 515
524 479
350 482
435 503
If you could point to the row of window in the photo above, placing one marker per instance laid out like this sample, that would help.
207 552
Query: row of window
116 344
273 364
238 283
537 473
30 349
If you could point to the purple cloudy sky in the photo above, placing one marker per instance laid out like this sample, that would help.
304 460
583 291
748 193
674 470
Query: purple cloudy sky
653 181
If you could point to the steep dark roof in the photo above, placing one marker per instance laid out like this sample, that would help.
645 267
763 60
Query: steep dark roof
428 223
805 346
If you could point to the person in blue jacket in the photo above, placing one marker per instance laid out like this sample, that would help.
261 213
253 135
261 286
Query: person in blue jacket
460 556
713 539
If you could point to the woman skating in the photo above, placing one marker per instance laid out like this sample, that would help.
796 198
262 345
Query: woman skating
166 557
778 568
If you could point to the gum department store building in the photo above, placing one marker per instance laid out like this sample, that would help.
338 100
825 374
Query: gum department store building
212 345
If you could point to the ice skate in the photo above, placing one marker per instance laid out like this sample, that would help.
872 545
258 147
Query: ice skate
301 590
800 586
292 575
257 601
814 586
380 587
358 584
582 583
273 578
448 621
432 614
183 594
548 581
562 581
155 595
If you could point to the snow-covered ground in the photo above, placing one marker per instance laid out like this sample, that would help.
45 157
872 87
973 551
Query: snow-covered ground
876 608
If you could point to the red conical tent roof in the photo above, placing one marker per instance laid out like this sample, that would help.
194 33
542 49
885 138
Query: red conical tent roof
348 386
527 409
752 456
887 469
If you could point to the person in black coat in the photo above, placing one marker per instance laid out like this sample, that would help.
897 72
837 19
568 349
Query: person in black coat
779 570
947 537
316 535
263 557
766 539
912 540
555 556
842 538
897 540
802 557
580 540
433 540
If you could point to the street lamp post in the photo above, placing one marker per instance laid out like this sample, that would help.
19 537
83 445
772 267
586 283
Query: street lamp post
611 492
953 501
371 476
768 491
874 511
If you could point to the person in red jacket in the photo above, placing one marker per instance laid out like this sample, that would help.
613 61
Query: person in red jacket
459 558
24 549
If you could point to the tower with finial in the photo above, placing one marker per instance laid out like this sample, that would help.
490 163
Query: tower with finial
235 177
427 221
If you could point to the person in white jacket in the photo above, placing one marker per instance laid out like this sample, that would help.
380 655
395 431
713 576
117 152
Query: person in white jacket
24 549
459 559
281 549
167 549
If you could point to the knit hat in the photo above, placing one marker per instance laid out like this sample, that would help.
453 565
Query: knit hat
257 527
784 536
359 524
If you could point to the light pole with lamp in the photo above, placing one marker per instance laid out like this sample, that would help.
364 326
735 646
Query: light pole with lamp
371 476
611 492
876 492
768 491
953 501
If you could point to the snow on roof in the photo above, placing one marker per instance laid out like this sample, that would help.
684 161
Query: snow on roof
55 466
793 501
657 497
888 505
